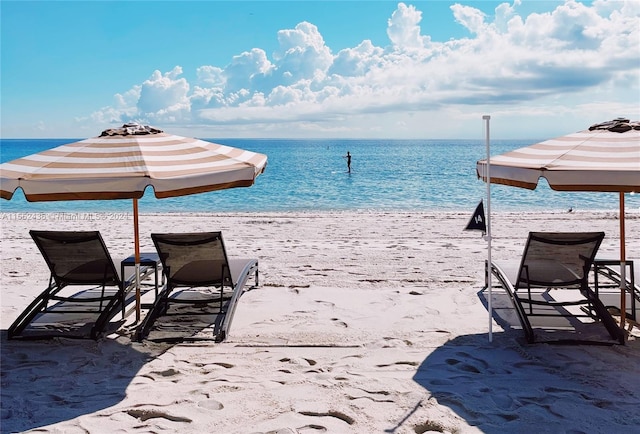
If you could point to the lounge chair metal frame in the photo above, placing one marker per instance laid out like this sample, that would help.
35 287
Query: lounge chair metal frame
74 258
610 271
531 275
197 260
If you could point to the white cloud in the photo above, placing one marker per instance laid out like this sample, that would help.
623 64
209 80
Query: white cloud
504 13
566 62
246 70
164 94
469 17
404 29
353 62
302 54
210 75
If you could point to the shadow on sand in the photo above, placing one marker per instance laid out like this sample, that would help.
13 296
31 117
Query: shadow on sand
48 381
509 386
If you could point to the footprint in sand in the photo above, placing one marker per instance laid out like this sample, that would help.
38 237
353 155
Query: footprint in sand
210 404
372 398
155 374
462 366
6 414
338 415
339 323
441 382
401 362
298 361
468 363
311 429
430 426
307 429
146 414
278 431
390 342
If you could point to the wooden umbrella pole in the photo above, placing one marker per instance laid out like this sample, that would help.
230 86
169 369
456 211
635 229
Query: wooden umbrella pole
136 236
623 265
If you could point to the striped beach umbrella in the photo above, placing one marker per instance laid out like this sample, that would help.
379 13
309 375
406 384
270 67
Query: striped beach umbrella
122 162
604 158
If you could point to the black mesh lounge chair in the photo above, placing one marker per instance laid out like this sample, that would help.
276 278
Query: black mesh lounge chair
555 261
196 263
79 260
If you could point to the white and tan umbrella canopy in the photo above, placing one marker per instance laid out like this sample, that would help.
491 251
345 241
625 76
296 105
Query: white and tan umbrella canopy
604 158
122 162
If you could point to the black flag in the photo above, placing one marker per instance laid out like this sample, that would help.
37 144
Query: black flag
477 221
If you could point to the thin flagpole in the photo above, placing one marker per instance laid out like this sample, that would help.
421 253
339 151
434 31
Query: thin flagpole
487 119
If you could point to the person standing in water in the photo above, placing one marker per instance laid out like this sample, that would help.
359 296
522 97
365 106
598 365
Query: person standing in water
348 157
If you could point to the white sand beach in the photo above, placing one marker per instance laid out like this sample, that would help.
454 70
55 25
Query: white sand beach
362 323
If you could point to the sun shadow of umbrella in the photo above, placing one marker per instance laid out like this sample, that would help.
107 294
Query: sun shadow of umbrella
508 387
46 382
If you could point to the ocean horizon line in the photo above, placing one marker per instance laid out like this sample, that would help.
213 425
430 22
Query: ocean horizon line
290 139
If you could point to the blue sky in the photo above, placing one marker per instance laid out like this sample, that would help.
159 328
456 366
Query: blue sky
313 69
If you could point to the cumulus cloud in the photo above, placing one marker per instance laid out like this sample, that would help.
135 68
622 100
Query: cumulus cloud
246 71
164 95
470 17
404 29
302 52
573 54
357 61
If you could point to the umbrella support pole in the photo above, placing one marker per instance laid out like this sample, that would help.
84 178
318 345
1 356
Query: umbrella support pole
136 235
623 265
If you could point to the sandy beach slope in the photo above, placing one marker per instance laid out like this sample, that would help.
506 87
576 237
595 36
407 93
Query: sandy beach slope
370 322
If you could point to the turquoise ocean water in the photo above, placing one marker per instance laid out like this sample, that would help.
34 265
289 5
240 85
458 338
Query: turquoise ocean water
308 175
